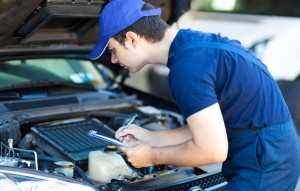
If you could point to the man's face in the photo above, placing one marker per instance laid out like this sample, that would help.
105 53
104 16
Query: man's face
128 57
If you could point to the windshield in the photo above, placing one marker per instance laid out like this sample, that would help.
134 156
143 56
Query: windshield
54 69
260 7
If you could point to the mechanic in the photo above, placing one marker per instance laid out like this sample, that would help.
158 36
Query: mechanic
234 110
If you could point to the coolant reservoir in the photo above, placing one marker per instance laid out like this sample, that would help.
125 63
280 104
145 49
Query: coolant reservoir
105 166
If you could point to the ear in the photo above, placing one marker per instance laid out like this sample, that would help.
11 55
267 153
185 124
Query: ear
132 38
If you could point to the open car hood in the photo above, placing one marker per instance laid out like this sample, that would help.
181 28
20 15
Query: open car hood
61 24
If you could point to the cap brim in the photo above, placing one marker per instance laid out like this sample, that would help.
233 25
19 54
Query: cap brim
99 49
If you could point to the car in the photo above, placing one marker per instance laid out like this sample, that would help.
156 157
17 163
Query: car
268 28
56 105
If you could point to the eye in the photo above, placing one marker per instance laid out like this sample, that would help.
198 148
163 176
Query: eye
107 51
111 51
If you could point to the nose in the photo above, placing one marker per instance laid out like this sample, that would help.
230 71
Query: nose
113 59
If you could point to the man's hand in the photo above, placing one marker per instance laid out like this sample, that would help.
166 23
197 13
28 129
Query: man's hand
132 134
139 152
140 155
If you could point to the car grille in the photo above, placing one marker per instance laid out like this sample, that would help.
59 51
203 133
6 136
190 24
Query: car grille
203 183
182 180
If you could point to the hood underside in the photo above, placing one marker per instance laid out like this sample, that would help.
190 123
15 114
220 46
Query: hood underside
64 22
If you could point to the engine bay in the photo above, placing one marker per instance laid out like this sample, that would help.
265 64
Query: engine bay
63 147
51 135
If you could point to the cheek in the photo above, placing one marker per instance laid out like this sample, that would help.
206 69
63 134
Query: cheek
131 59
127 58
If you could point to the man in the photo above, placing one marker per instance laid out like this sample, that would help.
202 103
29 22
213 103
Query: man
234 110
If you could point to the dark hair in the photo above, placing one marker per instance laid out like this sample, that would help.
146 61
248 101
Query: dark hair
152 28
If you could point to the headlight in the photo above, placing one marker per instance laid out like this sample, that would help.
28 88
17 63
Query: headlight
12 180
8 184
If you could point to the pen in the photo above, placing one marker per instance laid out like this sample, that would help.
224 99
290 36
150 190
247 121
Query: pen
130 121
127 125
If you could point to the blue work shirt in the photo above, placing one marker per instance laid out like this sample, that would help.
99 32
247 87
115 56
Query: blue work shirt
200 77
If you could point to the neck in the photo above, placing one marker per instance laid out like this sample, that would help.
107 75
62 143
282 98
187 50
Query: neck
159 52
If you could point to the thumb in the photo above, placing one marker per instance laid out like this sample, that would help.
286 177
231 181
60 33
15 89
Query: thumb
123 149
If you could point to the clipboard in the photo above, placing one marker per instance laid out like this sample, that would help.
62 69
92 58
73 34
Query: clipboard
93 133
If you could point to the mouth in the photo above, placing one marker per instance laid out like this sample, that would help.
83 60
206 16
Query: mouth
123 66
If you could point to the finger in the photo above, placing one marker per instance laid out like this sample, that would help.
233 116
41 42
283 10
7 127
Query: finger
119 132
132 143
120 129
126 137
129 137
124 133
120 138
122 149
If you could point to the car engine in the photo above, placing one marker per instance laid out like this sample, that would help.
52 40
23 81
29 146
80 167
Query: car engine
63 147
38 136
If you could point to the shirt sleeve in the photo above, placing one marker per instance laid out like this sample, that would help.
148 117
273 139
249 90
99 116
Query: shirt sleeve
192 79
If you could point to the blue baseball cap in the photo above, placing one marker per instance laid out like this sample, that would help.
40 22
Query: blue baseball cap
116 16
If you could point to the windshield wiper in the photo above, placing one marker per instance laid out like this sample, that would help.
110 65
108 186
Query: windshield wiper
42 83
9 96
